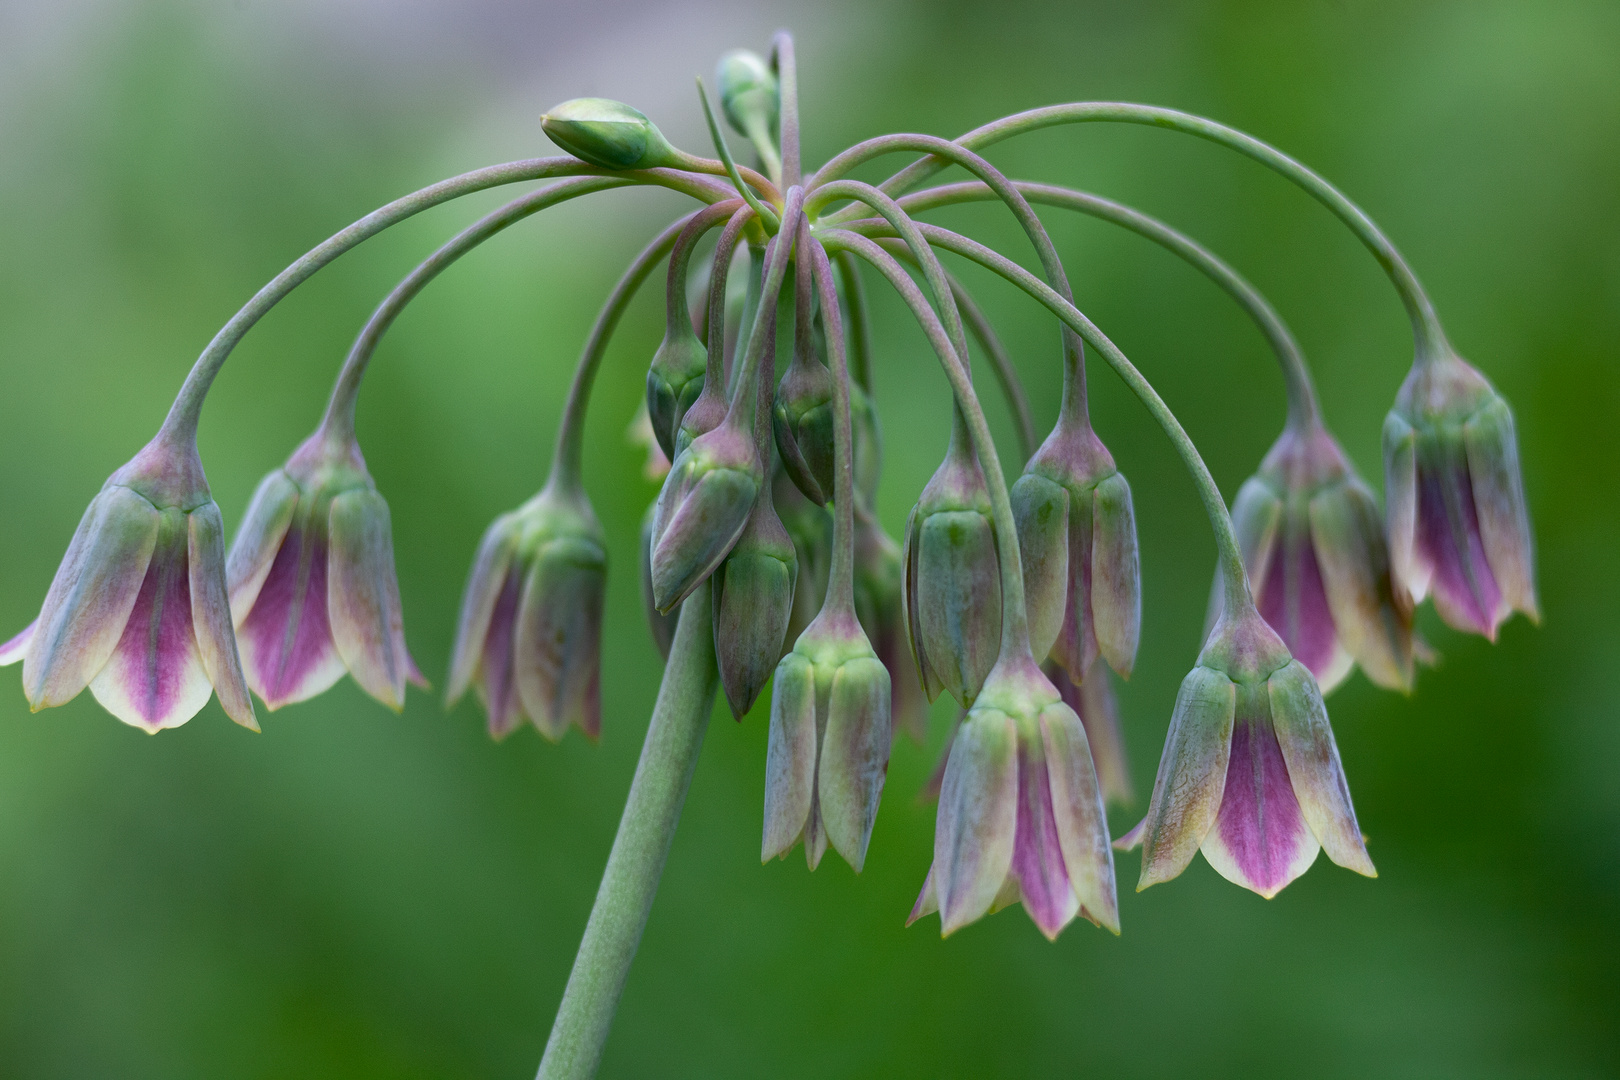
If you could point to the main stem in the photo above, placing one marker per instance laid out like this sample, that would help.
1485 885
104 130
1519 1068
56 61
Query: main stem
663 775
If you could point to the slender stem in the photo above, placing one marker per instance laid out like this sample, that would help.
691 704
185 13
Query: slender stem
623 900
1014 619
1429 337
1238 596
787 81
181 423
841 576
677 315
860 322
777 252
766 217
339 419
566 461
1303 407
714 373
758 131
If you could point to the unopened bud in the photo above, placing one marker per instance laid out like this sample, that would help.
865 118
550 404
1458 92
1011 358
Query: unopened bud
674 381
608 134
803 422
748 91
701 511
753 601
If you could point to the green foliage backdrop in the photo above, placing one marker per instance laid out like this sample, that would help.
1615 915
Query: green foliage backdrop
354 894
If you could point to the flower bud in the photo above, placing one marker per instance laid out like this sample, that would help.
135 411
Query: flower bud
1313 546
803 422
1020 814
879 571
674 381
748 91
828 749
312 583
1077 539
530 633
1093 701
659 624
753 601
608 134
702 509
1458 526
1250 773
953 580
138 610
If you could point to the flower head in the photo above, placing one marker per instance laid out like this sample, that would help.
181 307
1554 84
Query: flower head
1077 539
138 610
530 632
1313 546
1250 773
1020 814
312 583
1457 521
828 751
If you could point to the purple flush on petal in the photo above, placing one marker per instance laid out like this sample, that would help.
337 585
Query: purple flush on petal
497 671
1294 602
286 638
1037 860
155 678
1260 839
1448 534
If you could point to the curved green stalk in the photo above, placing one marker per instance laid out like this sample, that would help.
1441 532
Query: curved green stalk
339 418
841 575
860 323
181 422
1303 407
1429 337
623 900
787 81
766 217
1238 595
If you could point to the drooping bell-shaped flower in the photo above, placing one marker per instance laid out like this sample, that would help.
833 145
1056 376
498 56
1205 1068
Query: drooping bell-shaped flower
138 610
1077 540
753 602
313 589
1313 546
1094 702
879 603
952 582
1020 813
530 633
608 134
1250 773
1458 526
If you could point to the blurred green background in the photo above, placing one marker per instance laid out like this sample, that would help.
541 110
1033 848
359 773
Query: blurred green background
354 894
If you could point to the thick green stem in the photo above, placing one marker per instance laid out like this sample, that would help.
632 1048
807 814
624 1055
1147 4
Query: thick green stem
1014 617
181 423
1303 407
1429 337
663 775
339 418
1238 595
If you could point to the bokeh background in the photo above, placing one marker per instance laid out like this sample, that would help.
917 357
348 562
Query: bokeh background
356 894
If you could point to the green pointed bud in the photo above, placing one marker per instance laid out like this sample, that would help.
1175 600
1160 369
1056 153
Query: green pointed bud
828 750
753 601
748 92
660 625
674 383
953 580
609 134
1077 539
879 603
701 511
803 422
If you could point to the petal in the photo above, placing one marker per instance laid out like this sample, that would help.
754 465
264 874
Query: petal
1094 703
1293 600
976 825
288 651
1187 791
854 756
1504 523
363 596
1465 591
959 599
484 590
1082 825
1260 839
559 637
1409 567
908 602
927 900
1348 537
1076 645
1116 574
753 600
90 598
211 614
258 539
1037 861
1305 737
790 756
1132 839
155 678
497 671
15 649
1041 511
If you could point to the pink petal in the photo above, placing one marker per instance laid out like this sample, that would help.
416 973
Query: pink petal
155 677
977 821
1192 771
485 590
1037 859
362 596
1082 823
13 650
258 539
1465 591
497 679
1259 840
1294 601
286 639
927 900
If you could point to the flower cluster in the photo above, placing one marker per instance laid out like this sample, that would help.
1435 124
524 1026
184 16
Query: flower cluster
1019 601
